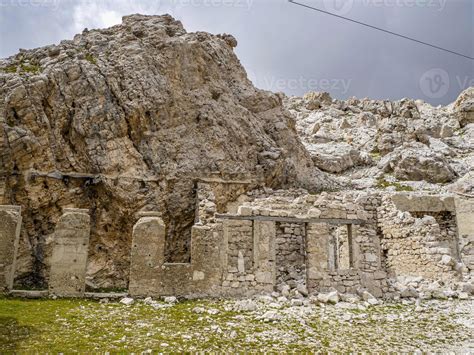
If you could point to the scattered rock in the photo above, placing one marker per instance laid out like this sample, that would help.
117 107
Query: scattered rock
409 292
331 297
296 302
170 299
271 316
128 301
302 290
198 310
245 306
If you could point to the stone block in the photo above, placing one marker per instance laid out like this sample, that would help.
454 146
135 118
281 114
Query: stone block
198 275
70 251
245 211
380 275
265 277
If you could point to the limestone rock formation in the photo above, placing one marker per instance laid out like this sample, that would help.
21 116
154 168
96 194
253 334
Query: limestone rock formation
415 161
366 143
125 119
464 107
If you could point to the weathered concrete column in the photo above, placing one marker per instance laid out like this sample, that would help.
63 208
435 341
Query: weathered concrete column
317 249
147 255
465 225
10 226
264 233
207 259
69 259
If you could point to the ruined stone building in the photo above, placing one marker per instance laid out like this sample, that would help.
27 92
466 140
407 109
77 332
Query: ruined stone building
268 240
141 158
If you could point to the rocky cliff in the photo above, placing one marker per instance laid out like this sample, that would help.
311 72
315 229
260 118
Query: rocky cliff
125 119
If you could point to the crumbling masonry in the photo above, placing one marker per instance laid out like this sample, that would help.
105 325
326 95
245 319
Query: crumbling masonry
269 240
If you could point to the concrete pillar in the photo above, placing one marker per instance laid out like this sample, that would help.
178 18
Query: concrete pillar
465 226
207 258
264 233
147 255
70 250
10 226
317 254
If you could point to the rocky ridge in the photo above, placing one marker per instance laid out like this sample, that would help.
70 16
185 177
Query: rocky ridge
405 144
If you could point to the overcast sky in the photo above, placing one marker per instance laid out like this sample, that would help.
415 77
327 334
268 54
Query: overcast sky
285 47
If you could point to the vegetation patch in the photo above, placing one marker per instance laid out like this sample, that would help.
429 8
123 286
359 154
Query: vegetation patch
10 69
24 67
382 184
30 68
90 58
86 326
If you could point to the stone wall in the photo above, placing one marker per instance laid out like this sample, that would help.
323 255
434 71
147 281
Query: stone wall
239 236
70 250
347 242
346 257
10 224
465 224
326 269
250 261
290 253
418 238
150 275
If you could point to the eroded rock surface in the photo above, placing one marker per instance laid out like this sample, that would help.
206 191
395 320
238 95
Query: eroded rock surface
126 119
374 143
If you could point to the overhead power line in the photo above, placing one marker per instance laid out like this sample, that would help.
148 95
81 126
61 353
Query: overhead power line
380 29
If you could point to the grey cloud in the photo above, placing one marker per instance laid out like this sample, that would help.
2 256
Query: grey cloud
289 48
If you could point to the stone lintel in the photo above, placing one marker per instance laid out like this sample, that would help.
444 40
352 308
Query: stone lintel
337 221
423 203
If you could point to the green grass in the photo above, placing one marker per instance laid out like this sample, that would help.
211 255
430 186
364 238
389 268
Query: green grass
382 184
90 58
24 68
376 156
10 69
68 325
30 68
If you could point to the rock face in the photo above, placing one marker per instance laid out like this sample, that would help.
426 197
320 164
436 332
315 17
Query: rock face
126 119
464 107
368 141
415 161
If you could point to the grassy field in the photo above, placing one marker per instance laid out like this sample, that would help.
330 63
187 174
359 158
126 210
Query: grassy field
88 326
